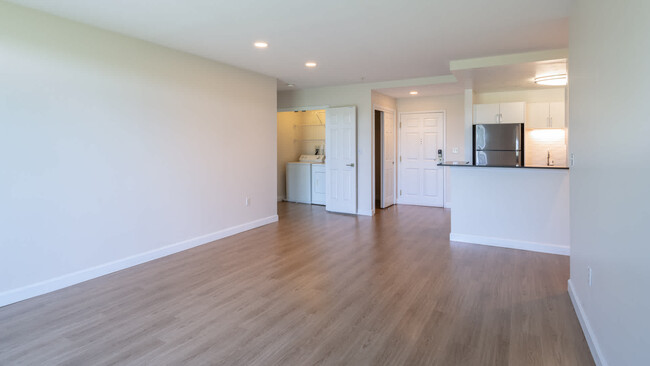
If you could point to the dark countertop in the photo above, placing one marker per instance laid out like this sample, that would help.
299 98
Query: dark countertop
466 164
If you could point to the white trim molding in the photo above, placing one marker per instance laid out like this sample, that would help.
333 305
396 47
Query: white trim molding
512 244
366 212
590 336
57 283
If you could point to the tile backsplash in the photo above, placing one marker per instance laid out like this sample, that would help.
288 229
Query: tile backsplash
539 142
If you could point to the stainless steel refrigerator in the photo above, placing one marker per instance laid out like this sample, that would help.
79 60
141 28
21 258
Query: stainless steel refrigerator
499 145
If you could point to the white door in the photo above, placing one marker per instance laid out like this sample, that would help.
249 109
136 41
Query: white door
421 179
341 159
388 165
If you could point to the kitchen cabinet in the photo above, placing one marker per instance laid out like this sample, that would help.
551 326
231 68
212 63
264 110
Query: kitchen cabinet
545 115
514 112
557 113
486 113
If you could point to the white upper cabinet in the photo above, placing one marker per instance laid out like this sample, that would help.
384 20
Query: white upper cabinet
500 113
557 112
538 116
513 112
545 115
486 113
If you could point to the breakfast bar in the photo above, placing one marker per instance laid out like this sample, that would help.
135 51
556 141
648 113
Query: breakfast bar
514 207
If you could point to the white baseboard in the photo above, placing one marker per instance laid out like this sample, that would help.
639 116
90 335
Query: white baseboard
447 205
40 288
513 244
366 212
594 347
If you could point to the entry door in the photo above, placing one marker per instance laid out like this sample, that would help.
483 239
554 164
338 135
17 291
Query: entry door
341 159
421 179
388 166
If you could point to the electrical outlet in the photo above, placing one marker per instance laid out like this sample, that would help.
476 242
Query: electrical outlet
248 201
589 268
572 160
454 150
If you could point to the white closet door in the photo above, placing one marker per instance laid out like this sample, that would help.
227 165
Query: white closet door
341 159
421 180
388 165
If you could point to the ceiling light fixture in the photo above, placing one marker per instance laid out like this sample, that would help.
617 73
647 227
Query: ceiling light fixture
554 80
414 92
290 85
261 44
310 64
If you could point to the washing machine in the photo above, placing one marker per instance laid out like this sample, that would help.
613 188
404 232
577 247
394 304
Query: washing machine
299 178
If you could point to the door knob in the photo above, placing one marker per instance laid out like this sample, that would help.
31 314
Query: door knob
351 164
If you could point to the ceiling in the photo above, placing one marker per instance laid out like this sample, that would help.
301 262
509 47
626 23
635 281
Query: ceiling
489 74
352 41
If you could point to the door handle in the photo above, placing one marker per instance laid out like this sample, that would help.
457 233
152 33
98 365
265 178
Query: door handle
351 164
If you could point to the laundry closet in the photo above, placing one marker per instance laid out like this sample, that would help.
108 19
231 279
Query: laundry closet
301 156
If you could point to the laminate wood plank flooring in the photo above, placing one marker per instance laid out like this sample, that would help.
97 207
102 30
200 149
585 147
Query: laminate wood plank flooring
315 288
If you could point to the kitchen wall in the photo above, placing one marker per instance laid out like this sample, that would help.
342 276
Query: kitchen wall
528 96
453 105
610 205
542 142
115 151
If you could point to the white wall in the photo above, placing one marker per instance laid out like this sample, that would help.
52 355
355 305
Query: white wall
610 200
529 96
516 208
382 100
114 148
453 105
339 96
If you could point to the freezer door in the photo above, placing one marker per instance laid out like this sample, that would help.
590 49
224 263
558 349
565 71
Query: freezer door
498 158
498 137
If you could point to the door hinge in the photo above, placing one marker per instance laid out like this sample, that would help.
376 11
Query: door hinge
400 192
400 125
400 158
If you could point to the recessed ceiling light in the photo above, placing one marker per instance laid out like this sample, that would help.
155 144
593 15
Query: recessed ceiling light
261 44
557 79
290 85
310 64
413 92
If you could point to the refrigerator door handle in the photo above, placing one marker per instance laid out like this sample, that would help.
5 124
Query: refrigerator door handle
480 137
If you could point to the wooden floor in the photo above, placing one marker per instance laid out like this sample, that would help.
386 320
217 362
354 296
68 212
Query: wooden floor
313 289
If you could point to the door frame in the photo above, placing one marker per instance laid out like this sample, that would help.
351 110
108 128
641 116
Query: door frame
376 107
444 153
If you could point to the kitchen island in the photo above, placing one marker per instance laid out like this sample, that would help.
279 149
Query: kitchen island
514 207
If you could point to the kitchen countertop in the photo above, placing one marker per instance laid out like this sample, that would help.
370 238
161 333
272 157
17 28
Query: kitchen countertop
466 164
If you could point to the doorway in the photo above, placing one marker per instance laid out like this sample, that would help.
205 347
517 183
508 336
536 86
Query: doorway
384 172
421 144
